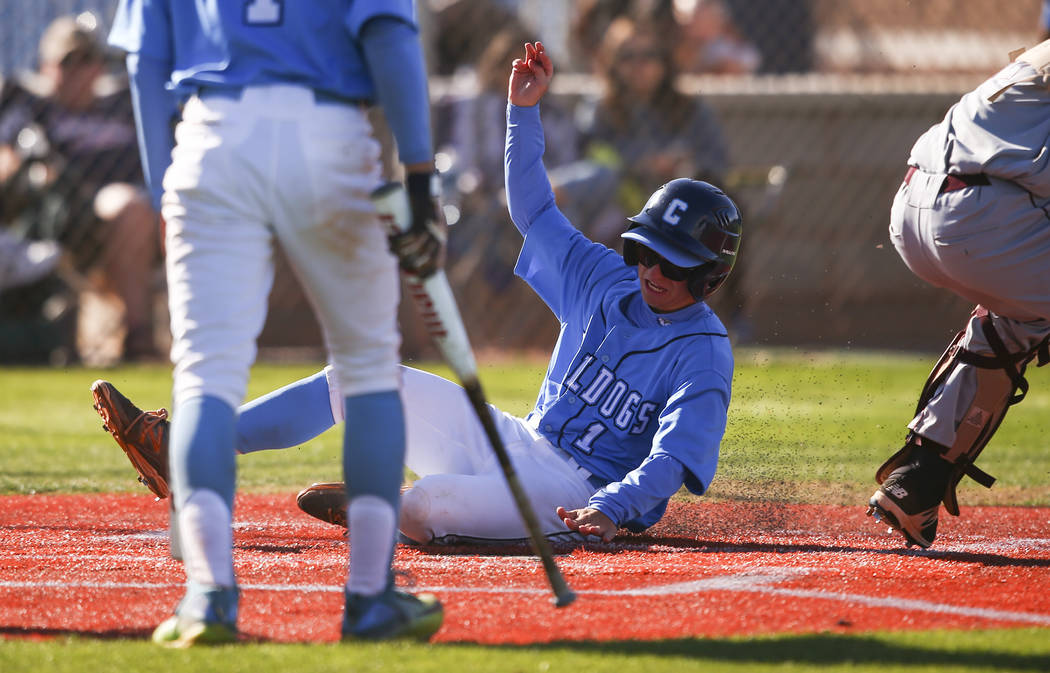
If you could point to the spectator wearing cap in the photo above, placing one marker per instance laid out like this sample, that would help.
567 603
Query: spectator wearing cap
70 172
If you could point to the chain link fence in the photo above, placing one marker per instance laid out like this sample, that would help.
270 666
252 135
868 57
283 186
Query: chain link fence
803 110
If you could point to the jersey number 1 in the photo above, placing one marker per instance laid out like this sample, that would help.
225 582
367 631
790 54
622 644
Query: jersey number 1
585 442
263 12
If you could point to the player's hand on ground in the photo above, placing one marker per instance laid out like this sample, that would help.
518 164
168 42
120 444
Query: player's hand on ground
530 77
421 249
588 521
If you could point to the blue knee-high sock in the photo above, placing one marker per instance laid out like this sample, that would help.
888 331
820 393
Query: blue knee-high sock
373 466
287 417
202 448
374 446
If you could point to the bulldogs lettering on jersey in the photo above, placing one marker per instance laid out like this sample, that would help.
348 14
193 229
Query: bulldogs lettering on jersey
624 409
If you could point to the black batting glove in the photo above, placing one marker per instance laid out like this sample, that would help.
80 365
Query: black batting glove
421 249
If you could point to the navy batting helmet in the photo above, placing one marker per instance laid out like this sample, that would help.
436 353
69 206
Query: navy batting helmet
691 224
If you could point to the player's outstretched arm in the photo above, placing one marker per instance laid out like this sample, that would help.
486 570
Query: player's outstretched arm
530 77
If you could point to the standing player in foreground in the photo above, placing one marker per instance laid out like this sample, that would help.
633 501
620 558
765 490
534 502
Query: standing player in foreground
636 394
973 216
273 143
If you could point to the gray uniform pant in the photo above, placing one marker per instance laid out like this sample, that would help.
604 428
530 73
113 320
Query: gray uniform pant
990 245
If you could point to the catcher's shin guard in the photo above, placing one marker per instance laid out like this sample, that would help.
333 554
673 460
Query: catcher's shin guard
1000 385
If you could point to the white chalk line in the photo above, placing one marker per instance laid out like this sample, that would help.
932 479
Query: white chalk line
760 582
973 544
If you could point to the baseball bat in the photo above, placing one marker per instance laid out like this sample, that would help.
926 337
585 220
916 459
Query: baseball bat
437 306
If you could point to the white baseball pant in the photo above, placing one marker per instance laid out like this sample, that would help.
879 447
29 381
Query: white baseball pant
267 163
461 490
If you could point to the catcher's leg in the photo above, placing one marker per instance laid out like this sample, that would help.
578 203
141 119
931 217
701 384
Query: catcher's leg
961 406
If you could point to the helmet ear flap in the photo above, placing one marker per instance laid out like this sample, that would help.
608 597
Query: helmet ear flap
630 252
702 281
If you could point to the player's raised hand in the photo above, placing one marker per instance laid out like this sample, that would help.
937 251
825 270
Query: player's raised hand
530 76
588 521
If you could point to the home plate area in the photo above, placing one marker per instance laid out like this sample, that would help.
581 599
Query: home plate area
98 566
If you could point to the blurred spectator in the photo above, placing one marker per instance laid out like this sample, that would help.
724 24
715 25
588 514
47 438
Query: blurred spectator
1044 21
25 262
70 173
642 133
36 316
462 29
593 17
472 128
709 42
782 30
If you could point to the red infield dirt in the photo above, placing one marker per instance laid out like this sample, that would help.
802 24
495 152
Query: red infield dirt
98 565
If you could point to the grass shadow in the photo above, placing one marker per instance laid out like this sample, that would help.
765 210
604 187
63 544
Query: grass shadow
814 649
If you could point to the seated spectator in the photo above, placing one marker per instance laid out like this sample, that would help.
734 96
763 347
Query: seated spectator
70 173
591 20
461 31
641 133
709 42
783 31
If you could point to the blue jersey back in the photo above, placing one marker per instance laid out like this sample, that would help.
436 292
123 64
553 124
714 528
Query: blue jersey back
258 42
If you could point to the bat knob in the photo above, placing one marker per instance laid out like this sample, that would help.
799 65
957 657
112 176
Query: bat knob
564 598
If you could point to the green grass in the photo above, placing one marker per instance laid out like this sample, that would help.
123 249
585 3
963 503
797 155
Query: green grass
805 427
51 440
813 427
1022 650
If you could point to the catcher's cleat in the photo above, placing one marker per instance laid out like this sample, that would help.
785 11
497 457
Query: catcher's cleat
392 614
205 616
909 499
324 501
142 434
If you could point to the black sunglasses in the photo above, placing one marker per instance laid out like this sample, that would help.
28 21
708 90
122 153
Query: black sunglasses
648 258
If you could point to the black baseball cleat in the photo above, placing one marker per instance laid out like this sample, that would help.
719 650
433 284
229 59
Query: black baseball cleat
909 500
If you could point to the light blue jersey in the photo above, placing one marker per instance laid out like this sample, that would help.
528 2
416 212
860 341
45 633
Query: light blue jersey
236 44
638 398
346 50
